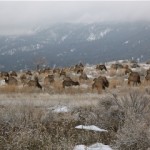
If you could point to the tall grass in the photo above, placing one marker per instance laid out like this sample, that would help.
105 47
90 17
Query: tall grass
32 124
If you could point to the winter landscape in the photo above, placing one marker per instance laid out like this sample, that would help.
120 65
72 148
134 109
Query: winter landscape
59 114
74 75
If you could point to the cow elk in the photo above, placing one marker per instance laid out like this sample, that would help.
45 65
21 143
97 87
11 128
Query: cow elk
100 83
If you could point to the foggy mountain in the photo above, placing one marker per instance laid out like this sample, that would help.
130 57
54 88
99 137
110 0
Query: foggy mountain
67 44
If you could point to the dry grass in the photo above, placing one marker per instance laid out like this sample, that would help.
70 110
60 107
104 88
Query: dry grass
9 89
117 82
34 125
27 119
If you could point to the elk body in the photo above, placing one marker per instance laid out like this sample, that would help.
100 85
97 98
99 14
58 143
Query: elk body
34 83
134 77
100 83
83 76
147 77
4 74
101 67
11 81
49 79
13 74
69 83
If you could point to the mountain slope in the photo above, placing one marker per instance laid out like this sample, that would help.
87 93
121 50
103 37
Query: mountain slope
67 44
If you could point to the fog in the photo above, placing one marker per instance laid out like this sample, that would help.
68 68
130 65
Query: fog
22 17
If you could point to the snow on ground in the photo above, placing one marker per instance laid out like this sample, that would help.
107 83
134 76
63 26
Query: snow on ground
60 109
91 127
145 66
91 71
2 82
90 76
80 147
96 146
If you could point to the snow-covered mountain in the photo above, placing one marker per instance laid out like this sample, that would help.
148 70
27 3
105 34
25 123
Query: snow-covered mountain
67 44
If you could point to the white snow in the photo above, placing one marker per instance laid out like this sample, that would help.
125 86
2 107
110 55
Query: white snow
96 146
90 76
64 37
103 33
2 82
91 127
72 50
126 42
91 37
10 52
59 109
145 66
80 147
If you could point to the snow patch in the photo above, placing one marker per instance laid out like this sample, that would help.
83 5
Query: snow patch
96 146
2 82
103 33
60 109
80 147
91 37
126 42
64 37
72 50
91 127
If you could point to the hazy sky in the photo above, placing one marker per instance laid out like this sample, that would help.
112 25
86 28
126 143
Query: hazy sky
19 17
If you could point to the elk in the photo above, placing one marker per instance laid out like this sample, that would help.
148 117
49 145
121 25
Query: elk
29 73
101 67
100 83
147 77
4 74
134 77
127 70
78 69
49 79
83 76
34 83
62 73
70 83
116 66
13 74
11 81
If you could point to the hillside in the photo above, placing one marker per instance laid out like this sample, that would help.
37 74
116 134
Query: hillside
63 44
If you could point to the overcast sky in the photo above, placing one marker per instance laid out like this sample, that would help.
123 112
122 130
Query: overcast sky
20 17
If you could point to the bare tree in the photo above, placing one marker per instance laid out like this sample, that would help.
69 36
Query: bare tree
40 62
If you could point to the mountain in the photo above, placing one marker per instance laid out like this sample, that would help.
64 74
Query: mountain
67 44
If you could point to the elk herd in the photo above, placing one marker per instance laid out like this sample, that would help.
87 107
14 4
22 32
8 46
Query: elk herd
48 76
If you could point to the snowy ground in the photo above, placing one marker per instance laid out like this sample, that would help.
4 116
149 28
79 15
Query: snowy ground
96 146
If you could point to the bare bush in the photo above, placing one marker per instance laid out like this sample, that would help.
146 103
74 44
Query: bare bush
134 133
